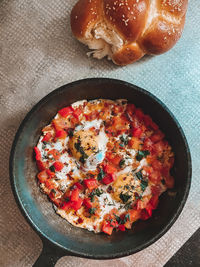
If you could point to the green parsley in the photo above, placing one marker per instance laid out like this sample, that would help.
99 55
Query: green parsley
139 175
124 197
100 175
92 211
124 140
142 154
52 168
96 192
121 163
144 185
122 221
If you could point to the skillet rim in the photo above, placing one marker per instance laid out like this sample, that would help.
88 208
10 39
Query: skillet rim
23 209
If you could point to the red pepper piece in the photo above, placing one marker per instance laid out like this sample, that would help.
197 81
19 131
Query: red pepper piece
121 227
47 137
77 204
109 178
61 134
75 194
91 183
64 112
87 202
107 228
37 153
58 165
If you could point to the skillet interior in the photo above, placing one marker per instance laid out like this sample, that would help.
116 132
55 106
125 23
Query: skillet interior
39 210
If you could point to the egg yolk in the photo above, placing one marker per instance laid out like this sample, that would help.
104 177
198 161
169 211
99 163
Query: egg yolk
83 144
124 185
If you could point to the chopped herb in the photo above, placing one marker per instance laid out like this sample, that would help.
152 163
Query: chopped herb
124 140
92 211
126 186
53 191
77 146
81 150
139 175
142 154
82 159
144 185
118 219
70 133
96 192
163 181
52 168
121 163
122 221
138 197
127 206
100 175
124 197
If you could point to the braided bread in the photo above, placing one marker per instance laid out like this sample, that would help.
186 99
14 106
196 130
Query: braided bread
126 30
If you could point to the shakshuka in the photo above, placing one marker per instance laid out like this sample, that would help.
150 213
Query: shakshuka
103 164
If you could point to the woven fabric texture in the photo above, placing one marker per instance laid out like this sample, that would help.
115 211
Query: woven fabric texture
38 54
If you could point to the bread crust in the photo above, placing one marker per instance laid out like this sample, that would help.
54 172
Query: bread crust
126 30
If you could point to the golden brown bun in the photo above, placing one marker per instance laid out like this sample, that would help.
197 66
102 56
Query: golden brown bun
126 30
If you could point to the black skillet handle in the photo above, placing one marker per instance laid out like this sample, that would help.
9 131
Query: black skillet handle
49 255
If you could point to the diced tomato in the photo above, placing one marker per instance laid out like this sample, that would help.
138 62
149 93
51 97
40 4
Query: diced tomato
106 228
158 136
134 143
50 173
137 132
55 153
75 194
121 227
148 121
109 178
139 113
42 176
156 189
144 215
169 181
79 186
154 202
58 165
87 202
47 137
134 215
77 112
61 134
41 165
37 153
157 165
66 205
92 115
76 205
91 183
110 169
49 184
64 112
158 148
120 124
130 109
149 210
148 169
148 144
56 201
115 159
155 176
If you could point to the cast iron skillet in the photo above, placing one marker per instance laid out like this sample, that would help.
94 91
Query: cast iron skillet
59 237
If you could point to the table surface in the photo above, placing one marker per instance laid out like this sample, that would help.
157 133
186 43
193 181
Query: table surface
39 54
